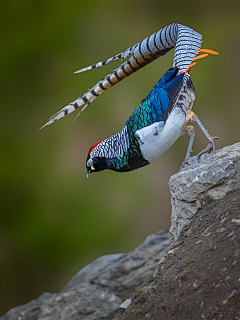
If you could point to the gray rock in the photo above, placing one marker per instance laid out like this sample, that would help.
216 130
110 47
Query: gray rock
200 274
125 304
97 290
212 177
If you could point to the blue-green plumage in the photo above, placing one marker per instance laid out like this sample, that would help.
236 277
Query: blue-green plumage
155 108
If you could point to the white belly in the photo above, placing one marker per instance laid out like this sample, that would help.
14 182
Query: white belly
158 138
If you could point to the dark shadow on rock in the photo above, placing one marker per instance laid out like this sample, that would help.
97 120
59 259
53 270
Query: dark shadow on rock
198 278
97 290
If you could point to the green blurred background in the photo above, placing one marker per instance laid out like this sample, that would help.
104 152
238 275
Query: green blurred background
54 220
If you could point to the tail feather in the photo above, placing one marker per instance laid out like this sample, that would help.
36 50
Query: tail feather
121 55
125 69
62 113
186 41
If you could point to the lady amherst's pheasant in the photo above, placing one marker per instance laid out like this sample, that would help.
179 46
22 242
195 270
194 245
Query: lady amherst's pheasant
162 117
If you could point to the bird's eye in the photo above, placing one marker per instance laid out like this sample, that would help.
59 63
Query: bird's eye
90 162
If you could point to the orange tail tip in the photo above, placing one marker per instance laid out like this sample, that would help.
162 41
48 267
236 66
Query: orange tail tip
208 51
191 65
200 57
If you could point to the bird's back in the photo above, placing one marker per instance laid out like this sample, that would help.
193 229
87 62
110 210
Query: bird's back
159 102
155 108
124 151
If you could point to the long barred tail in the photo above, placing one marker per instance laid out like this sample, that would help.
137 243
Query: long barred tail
122 56
186 41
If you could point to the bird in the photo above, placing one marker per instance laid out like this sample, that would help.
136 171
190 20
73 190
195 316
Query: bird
162 117
159 120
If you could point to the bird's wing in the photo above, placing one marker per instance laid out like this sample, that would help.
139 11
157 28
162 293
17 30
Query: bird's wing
158 103
186 41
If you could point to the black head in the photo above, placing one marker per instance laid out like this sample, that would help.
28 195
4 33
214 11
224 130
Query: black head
95 164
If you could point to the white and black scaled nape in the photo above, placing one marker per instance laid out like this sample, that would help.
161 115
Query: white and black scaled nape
112 147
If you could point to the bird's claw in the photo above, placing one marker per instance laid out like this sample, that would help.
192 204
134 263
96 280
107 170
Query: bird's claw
208 149
185 162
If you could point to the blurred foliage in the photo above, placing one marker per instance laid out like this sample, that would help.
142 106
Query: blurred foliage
54 220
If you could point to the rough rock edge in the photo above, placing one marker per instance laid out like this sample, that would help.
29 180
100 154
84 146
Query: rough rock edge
211 176
97 290
199 277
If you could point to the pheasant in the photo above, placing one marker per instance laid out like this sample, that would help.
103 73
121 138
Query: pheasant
162 117
159 120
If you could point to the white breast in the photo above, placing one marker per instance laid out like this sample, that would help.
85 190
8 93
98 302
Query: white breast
157 138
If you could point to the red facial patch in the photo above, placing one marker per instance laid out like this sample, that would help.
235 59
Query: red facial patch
92 147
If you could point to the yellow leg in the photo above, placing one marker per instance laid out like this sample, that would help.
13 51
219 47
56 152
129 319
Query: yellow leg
191 117
189 131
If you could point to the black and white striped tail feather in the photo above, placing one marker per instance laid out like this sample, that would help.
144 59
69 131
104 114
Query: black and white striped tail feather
162 44
122 56
125 69
185 40
68 109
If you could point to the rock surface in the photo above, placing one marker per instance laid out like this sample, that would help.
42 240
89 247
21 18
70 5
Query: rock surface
199 277
97 290
212 176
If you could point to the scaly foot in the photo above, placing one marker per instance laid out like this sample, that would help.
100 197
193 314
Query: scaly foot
209 148
185 162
